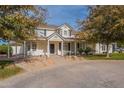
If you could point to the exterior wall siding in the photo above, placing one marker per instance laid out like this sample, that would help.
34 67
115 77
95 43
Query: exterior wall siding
49 32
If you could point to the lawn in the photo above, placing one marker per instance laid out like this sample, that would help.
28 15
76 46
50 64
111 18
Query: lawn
8 69
113 56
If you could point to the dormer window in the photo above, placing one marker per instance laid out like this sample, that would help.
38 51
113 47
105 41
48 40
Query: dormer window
65 33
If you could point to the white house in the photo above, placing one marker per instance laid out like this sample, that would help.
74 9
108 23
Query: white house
58 40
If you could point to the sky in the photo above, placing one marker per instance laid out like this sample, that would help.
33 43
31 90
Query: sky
60 14
2 41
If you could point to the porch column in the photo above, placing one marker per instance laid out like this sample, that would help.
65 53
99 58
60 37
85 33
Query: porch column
24 48
70 48
75 48
62 48
48 48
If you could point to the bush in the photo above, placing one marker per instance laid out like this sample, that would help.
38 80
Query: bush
81 50
4 63
4 49
87 50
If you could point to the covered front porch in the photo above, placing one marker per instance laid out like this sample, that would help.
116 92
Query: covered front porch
54 44
50 47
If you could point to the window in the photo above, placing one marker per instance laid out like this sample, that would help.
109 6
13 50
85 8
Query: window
103 47
59 46
28 46
34 46
60 32
65 32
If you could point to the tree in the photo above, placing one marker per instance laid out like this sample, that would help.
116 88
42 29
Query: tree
19 22
106 24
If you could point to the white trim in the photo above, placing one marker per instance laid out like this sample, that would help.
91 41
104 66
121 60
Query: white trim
62 48
48 48
24 48
75 46
54 35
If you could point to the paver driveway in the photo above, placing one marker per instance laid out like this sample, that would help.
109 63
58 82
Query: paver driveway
78 75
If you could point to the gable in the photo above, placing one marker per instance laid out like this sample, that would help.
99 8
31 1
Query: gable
64 27
55 37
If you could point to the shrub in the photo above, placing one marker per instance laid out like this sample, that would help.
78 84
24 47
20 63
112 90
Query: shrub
87 50
4 63
81 50
4 49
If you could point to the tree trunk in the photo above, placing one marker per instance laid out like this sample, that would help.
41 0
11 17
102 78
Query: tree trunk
16 50
99 47
8 54
24 49
107 54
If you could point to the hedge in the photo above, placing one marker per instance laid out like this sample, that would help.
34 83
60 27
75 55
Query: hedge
4 63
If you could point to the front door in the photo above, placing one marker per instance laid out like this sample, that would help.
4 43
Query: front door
52 48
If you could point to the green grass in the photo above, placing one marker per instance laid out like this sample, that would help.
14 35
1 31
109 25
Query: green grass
7 69
113 56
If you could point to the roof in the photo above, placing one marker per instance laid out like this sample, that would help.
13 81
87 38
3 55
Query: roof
67 25
47 26
55 27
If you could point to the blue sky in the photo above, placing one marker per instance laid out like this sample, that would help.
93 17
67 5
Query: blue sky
2 41
59 14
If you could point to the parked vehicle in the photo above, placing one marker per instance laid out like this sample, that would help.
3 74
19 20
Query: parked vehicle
120 50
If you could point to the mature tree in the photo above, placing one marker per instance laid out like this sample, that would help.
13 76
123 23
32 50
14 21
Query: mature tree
106 24
18 22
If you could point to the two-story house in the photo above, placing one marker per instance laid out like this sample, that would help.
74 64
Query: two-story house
58 40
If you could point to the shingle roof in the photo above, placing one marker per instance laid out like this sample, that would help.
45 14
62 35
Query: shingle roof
47 26
55 27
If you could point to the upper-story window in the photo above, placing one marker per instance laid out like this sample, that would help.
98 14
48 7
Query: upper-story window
65 32
60 32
